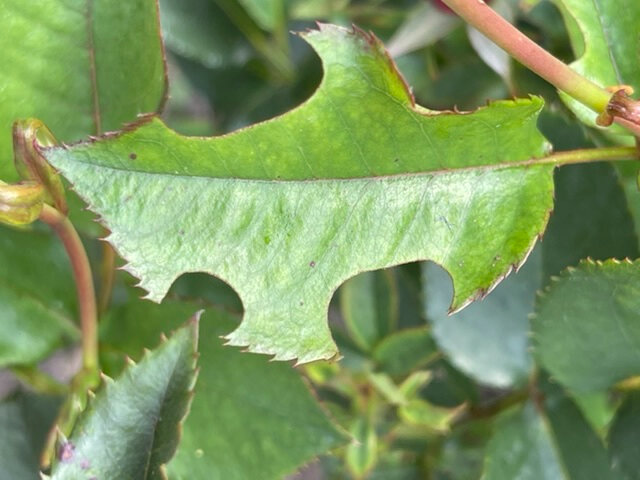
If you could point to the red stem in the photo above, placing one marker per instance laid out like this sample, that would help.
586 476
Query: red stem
83 279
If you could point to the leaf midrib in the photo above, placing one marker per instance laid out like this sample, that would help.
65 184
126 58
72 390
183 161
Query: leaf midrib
519 164
156 419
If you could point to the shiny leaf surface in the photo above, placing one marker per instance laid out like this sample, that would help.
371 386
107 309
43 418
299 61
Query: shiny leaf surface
132 427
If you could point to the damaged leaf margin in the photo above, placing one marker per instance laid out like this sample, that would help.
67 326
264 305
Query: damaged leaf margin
357 178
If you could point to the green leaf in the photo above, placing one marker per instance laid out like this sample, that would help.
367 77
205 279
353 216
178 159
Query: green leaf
598 409
604 35
489 339
356 179
132 427
547 441
624 448
362 453
587 325
424 414
239 407
369 305
81 66
37 296
25 420
403 351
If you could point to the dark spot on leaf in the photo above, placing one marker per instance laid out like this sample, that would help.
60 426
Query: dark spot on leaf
312 263
133 156
301 303
181 232
396 160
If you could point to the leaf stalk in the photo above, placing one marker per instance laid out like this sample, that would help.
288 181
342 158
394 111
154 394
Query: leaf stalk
585 155
84 282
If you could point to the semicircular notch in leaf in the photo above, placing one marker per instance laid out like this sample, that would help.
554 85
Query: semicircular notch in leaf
587 325
356 179
132 427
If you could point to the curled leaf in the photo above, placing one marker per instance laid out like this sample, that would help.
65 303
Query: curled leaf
20 204
30 163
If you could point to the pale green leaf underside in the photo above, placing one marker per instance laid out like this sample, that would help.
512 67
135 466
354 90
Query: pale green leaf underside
356 179
132 427
587 326
604 34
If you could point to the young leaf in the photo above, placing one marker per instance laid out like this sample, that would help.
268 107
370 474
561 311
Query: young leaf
369 304
37 297
132 428
358 178
406 350
421 413
362 453
59 62
604 35
587 325
243 403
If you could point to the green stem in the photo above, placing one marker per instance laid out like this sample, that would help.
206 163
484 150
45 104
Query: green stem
84 283
586 155
519 46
